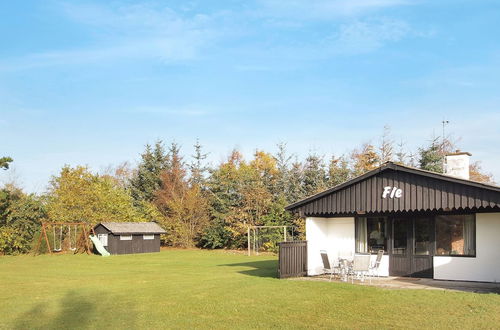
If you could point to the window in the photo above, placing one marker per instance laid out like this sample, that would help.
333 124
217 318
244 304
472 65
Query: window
146 237
371 234
103 238
456 235
125 237
400 236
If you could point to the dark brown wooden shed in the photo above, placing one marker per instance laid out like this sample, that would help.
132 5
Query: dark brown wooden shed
129 237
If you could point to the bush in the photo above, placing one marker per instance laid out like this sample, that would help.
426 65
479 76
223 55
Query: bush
216 236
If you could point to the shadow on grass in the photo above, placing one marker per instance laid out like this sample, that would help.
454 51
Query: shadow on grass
264 268
76 311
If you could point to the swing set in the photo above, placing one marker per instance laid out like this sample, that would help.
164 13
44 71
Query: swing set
65 236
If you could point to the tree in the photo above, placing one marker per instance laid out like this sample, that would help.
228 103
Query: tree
20 217
4 162
121 174
401 154
197 167
364 160
147 180
386 148
431 157
79 195
295 186
476 174
182 203
315 178
283 167
338 171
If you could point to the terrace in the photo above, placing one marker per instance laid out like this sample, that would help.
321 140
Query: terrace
394 282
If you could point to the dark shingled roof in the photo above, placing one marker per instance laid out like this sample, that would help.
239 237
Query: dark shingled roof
133 227
424 191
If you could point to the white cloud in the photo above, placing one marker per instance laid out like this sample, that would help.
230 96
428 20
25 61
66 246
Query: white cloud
326 9
188 110
365 36
126 32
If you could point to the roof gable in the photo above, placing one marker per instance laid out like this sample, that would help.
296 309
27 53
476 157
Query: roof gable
419 191
133 227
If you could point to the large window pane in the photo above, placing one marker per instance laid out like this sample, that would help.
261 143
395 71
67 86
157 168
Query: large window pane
400 241
423 239
371 234
455 235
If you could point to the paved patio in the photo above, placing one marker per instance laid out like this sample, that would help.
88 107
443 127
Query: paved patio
417 284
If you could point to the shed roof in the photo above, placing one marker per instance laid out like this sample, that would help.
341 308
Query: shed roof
421 191
133 227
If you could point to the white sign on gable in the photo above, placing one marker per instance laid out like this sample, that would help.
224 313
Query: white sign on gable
392 192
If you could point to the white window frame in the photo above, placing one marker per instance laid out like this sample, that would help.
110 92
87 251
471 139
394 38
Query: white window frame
103 238
125 237
148 237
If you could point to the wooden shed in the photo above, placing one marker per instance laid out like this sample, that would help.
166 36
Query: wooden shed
129 237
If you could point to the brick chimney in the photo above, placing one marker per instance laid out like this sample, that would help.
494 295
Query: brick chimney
457 164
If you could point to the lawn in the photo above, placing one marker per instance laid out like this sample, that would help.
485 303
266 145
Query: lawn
213 289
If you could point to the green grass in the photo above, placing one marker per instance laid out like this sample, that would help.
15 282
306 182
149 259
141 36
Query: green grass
213 289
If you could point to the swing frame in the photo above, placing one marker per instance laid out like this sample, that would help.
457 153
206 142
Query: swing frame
86 230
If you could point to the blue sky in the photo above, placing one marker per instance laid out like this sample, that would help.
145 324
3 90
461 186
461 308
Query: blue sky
91 82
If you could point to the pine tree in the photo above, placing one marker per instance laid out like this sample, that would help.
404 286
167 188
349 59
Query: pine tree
4 162
386 146
338 171
283 167
295 188
315 179
431 158
197 167
401 155
146 180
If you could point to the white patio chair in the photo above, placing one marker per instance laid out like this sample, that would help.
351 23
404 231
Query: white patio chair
374 268
361 268
327 267
345 269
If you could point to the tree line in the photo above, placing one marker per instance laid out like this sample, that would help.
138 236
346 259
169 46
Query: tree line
198 204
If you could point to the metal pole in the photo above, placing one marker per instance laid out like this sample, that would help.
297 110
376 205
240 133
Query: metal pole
444 122
284 233
248 234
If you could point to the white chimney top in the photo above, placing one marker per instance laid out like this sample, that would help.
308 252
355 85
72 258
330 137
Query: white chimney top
457 164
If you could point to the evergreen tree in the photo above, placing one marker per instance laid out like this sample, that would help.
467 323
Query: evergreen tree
338 171
431 158
4 162
315 179
283 169
401 155
295 187
147 180
386 148
197 167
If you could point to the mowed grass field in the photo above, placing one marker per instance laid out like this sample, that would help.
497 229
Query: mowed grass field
213 289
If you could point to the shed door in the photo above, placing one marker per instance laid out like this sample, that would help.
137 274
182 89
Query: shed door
412 247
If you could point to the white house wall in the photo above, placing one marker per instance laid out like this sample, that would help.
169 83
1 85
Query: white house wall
336 236
317 240
486 265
